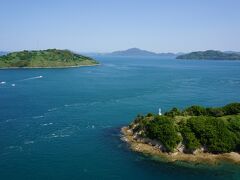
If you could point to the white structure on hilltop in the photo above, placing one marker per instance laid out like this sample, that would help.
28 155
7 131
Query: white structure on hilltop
159 112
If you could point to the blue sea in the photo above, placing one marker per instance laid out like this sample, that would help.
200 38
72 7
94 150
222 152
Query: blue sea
64 124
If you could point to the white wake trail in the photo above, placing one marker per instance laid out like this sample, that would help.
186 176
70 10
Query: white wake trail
13 82
36 77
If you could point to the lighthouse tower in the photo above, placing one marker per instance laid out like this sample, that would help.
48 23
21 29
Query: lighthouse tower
159 112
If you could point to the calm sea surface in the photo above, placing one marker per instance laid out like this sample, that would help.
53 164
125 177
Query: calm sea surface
66 124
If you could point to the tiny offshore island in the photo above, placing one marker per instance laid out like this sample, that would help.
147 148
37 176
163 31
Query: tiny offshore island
194 135
50 58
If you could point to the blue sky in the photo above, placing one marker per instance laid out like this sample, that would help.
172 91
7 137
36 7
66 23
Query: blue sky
108 25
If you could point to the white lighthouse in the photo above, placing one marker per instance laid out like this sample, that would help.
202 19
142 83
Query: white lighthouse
159 112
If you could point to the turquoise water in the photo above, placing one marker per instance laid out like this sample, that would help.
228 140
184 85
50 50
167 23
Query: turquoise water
66 124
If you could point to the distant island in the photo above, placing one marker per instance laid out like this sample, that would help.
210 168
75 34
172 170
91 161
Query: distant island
140 52
198 55
210 55
52 58
195 134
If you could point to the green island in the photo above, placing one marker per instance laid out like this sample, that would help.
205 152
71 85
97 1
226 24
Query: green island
195 134
210 55
50 58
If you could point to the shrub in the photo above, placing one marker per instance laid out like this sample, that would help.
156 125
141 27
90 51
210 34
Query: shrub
234 126
196 111
163 129
150 114
216 112
189 139
233 108
213 133
173 112
138 118
21 63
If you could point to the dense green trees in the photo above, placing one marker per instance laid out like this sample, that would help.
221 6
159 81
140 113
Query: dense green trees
163 129
216 112
174 112
210 54
217 130
189 138
44 58
233 108
213 133
229 109
195 111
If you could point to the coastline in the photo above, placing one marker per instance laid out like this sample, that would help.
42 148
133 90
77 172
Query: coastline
199 157
48 67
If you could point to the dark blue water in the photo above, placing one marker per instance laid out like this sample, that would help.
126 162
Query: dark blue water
66 124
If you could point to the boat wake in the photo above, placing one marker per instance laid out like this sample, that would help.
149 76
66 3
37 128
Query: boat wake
37 117
36 77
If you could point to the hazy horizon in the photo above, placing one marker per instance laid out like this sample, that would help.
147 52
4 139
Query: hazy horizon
106 26
93 52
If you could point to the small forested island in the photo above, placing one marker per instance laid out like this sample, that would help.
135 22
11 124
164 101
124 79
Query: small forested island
210 55
52 58
195 134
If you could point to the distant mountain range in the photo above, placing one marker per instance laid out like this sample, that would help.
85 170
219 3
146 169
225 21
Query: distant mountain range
140 52
3 53
232 52
198 55
211 55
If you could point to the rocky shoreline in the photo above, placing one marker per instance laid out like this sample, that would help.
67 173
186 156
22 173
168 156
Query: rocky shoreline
154 148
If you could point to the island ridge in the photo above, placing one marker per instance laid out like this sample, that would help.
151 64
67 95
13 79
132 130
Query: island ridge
51 58
195 134
210 55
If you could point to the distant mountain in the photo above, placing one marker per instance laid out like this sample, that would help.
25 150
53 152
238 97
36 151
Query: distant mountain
3 53
91 53
134 52
210 55
235 52
167 54
140 52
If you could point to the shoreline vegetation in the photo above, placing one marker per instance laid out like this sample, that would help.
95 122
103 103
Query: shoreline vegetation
50 67
193 135
210 55
50 58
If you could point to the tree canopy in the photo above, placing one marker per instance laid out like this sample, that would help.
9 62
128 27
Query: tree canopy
44 58
217 130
